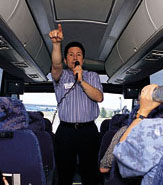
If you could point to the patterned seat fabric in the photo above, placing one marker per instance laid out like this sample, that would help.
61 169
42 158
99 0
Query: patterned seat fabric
13 114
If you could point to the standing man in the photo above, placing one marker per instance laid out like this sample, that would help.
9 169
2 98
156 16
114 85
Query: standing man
77 134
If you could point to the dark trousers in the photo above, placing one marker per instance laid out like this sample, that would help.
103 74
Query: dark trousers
82 142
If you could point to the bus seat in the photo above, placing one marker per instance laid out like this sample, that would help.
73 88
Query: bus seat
13 114
48 125
19 146
37 125
117 121
47 152
104 127
36 121
20 154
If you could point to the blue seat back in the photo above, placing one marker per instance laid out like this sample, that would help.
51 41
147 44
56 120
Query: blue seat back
37 125
19 146
20 154
36 121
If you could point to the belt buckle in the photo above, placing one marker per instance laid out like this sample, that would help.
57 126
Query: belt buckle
76 125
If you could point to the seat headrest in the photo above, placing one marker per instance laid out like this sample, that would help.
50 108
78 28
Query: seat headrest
118 121
48 125
13 114
104 125
36 121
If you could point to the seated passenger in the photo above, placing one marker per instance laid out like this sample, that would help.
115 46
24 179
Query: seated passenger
158 178
113 139
115 123
106 161
140 148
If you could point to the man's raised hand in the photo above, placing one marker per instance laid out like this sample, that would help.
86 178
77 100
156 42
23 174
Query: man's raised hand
56 35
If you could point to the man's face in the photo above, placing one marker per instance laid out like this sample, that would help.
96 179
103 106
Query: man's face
74 54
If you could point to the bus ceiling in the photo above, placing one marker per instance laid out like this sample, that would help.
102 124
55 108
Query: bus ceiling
123 39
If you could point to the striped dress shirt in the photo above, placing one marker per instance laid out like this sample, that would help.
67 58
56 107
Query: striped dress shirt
76 106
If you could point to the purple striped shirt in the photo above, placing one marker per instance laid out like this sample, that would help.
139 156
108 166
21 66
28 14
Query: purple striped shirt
77 106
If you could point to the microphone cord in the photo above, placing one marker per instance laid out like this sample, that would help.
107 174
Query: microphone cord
63 99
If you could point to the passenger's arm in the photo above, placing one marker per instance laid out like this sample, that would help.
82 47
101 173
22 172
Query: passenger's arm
56 37
106 161
146 106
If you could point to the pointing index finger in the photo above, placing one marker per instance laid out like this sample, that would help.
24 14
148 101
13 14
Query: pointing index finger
59 27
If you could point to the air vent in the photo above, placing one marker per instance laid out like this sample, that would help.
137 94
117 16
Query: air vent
20 64
3 44
155 55
119 81
133 71
33 75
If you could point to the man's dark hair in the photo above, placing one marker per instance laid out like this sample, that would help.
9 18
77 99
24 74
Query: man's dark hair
74 44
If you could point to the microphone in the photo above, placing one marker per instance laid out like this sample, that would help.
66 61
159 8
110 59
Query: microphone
76 76
157 94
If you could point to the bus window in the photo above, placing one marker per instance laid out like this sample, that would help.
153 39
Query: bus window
111 105
44 102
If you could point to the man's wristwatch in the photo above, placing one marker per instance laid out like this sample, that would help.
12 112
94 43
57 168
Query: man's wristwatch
80 81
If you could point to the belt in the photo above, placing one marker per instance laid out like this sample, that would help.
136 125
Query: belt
76 125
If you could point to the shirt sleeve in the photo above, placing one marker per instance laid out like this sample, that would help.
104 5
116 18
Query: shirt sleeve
142 149
61 79
95 81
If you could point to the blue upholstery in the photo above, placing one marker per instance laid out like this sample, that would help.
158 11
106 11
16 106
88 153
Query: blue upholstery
104 128
19 147
21 154
13 114
37 125
47 151
48 125
118 121
36 121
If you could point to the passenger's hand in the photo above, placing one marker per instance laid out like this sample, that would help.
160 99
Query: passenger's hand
56 36
5 181
146 102
104 170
